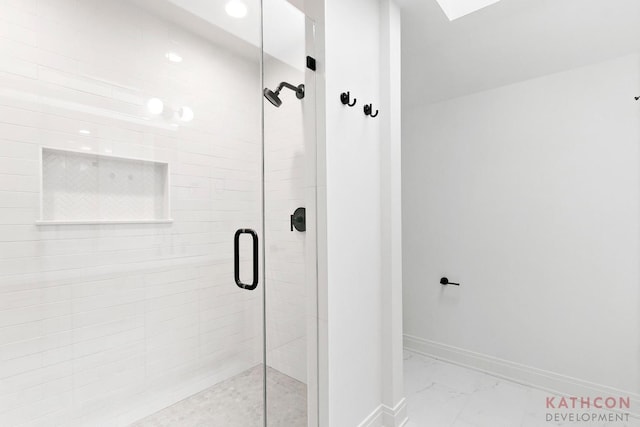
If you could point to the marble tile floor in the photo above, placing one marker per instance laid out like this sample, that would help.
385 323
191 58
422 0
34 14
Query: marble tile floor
237 402
441 394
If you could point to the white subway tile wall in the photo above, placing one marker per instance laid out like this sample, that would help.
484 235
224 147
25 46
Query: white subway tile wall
101 325
286 287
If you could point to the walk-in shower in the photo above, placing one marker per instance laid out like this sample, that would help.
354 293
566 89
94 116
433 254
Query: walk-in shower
274 96
126 171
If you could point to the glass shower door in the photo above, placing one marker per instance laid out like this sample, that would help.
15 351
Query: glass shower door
289 215
130 156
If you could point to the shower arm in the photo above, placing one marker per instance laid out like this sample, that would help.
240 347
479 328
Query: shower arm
287 85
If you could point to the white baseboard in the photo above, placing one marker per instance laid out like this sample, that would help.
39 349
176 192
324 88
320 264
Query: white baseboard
396 416
384 416
374 419
522 374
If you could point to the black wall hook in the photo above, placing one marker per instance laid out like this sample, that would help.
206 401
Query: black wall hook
445 281
368 109
345 99
637 97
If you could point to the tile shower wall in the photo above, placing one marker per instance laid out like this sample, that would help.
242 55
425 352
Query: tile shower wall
103 324
286 290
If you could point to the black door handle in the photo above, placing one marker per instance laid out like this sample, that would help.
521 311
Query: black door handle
236 258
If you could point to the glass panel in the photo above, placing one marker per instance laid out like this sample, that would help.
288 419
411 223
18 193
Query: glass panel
130 153
289 198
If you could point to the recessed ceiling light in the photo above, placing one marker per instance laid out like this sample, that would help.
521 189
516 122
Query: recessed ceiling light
155 106
84 132
173 57
236 8
455 9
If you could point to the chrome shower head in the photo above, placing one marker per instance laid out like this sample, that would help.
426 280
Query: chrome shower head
274 96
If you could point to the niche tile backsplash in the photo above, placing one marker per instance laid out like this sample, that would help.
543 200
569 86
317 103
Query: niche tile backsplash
99 188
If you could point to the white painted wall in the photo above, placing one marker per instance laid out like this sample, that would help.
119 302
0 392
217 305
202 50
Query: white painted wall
529 196
391 209
355 186
353 211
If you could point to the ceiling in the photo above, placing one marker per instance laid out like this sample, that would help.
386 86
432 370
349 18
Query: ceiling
455 9
507 42
283 26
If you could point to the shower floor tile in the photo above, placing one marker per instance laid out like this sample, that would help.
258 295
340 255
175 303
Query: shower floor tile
237 402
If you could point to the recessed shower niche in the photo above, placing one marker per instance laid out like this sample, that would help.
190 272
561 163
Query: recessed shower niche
79 187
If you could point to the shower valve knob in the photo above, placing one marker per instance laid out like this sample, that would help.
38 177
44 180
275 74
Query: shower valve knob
299 220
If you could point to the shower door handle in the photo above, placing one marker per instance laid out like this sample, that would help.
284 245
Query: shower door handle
236 258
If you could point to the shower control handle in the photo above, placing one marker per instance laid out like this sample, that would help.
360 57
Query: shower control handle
236 258
299 220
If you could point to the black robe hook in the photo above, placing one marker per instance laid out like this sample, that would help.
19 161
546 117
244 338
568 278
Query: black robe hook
345 99
368 111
